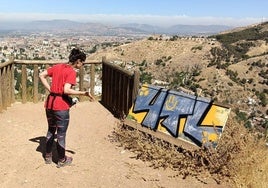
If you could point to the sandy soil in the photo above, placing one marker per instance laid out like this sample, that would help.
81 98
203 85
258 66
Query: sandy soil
98 162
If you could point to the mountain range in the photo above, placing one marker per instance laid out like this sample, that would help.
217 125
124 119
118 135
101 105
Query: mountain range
102 29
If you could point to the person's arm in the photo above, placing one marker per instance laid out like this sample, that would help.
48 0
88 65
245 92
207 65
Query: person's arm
43 79
69 91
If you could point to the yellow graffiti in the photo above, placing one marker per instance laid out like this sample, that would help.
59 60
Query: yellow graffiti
209 137
137 117
161 128
144 91
216 116
182 124
171 103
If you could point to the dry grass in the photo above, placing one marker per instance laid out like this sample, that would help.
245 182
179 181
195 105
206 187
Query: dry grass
240 159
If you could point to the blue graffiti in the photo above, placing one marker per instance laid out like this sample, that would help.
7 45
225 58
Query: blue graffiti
151 103
171 106
193 121
177 105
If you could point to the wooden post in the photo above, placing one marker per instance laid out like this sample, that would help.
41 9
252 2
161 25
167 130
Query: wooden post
1 99
136 85
4 87
12 93
81 78
103 79
125 94
81 82
35 84
8 85
23 84
120 91
92 79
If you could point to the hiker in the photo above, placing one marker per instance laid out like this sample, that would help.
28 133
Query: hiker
59 102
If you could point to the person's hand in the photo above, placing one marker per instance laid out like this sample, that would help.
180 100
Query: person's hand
91 98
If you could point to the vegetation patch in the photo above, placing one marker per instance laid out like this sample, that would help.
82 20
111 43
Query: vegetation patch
229 163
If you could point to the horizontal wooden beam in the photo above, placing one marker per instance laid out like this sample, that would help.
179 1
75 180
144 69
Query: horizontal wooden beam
52 62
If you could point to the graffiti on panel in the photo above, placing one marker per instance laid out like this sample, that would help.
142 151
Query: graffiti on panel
178 114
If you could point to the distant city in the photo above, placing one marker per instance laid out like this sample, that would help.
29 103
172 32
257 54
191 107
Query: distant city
46 40
50 46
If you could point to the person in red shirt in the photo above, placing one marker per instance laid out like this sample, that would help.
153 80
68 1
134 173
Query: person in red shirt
59 102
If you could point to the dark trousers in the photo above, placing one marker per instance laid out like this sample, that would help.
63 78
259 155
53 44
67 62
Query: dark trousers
58 122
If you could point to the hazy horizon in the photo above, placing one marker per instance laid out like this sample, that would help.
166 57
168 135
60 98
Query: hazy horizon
161 21
152 12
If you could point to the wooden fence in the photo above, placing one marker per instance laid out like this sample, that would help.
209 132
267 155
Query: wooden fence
119 89
118 85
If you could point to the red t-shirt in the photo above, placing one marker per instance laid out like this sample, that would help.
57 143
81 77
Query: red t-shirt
60 74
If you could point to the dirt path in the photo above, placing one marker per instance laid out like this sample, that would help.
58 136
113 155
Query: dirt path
98 162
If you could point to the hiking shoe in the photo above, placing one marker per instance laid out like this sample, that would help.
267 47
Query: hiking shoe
66 161
48 158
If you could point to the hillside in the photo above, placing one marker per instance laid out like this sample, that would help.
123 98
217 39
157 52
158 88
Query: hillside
231 68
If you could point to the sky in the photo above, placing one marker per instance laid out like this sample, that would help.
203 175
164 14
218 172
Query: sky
154 12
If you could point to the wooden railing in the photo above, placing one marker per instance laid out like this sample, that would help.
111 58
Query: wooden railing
45 64
119 87
7 96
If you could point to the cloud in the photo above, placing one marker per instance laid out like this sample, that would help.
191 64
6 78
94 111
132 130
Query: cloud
142 19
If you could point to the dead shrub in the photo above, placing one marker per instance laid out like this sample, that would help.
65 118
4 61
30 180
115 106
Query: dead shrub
224 164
